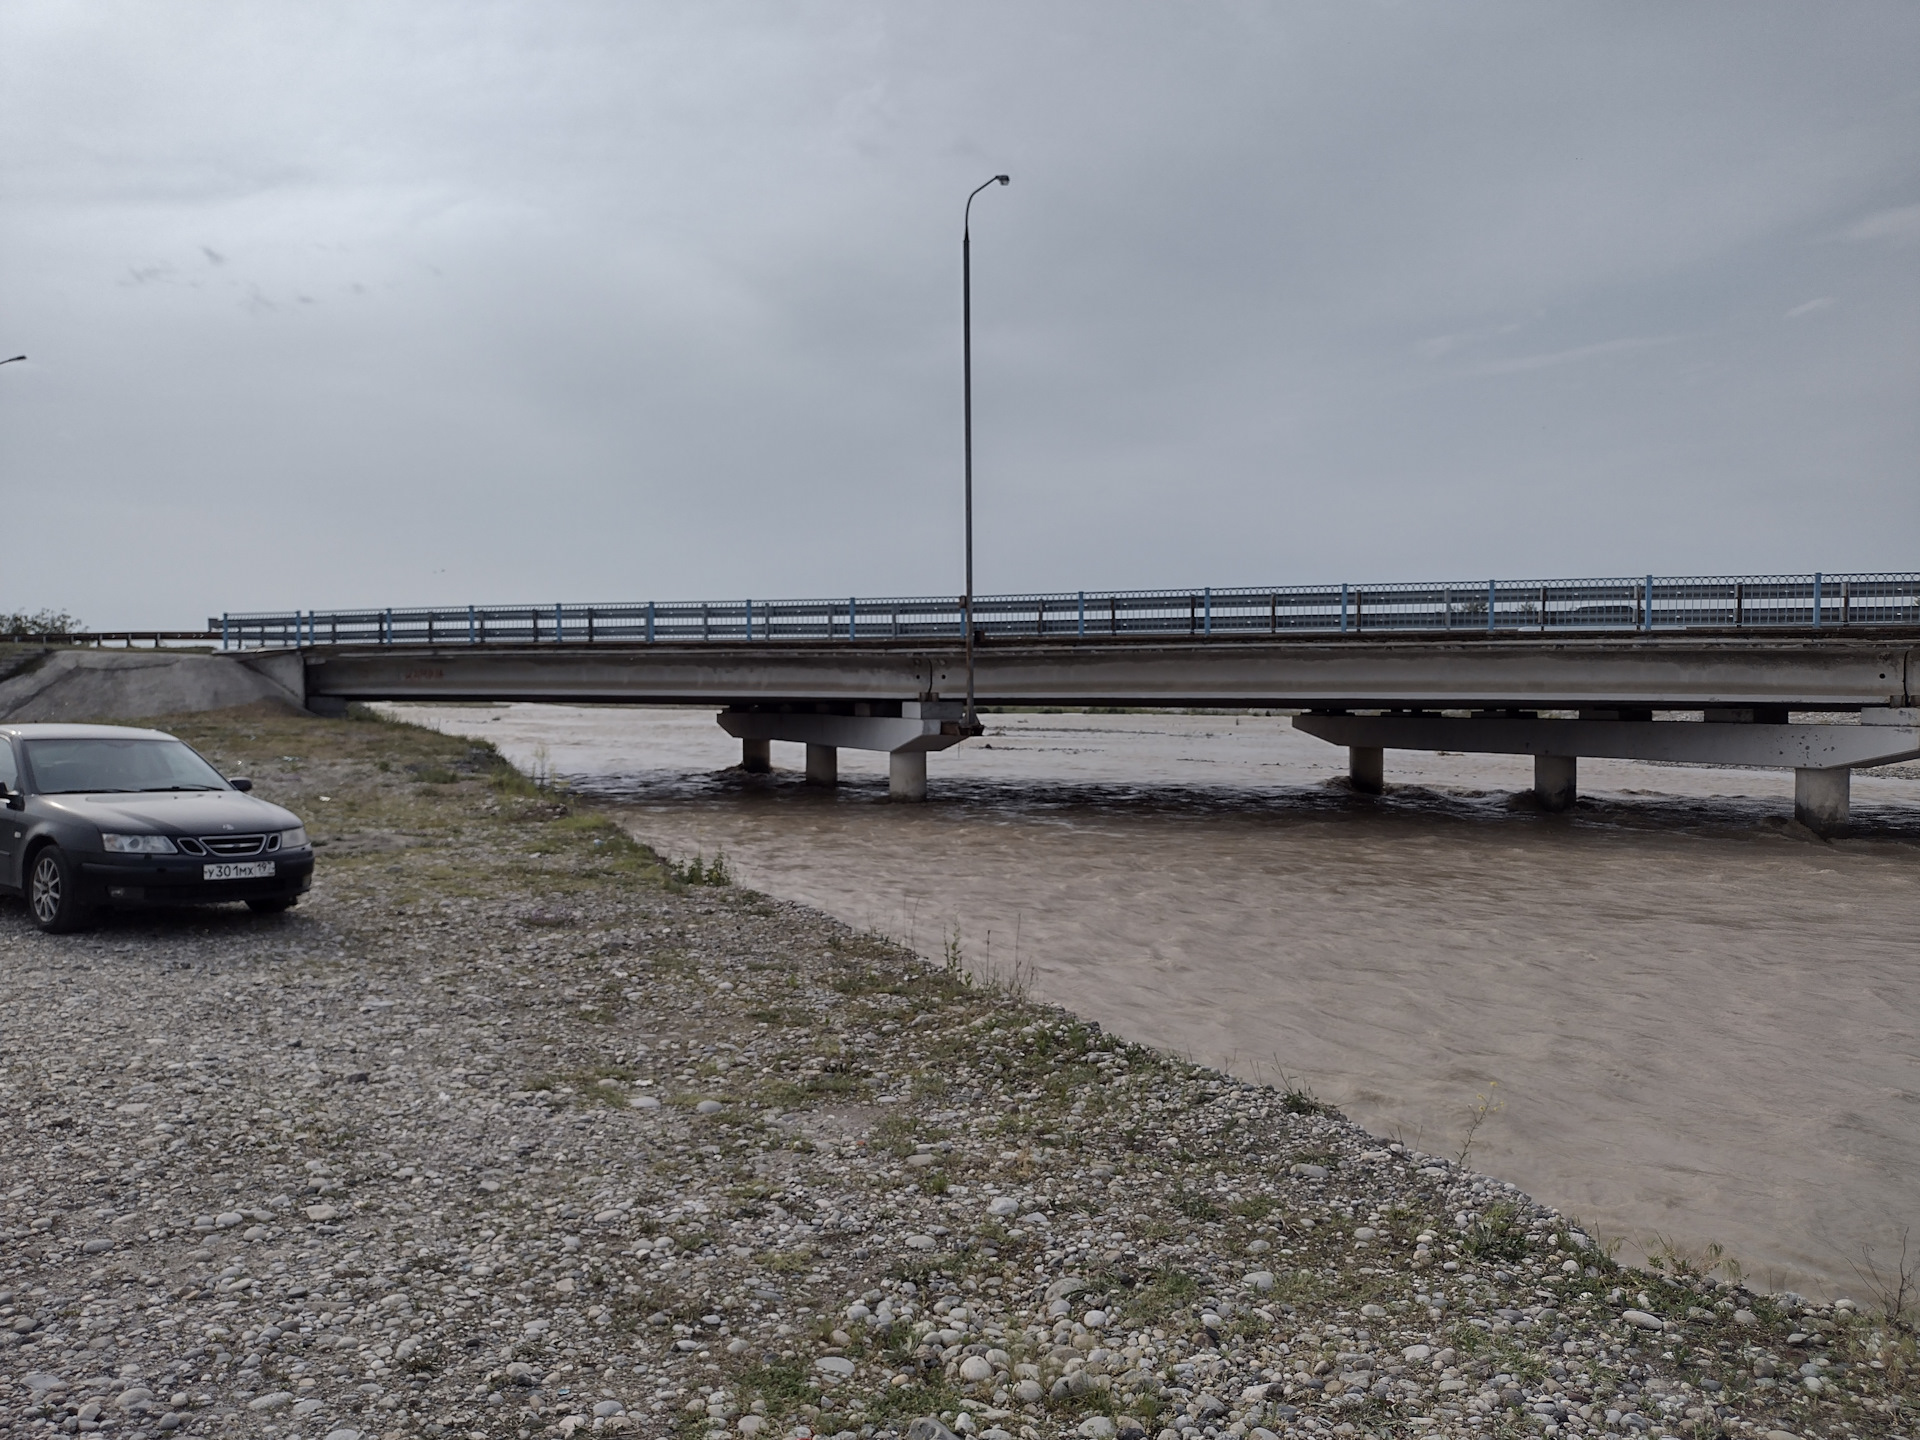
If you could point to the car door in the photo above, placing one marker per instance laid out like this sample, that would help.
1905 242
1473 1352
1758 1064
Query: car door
11 824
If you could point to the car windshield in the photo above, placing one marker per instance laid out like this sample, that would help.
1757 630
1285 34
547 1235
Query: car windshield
68 767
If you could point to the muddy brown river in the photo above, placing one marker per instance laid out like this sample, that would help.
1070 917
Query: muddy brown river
1695 1025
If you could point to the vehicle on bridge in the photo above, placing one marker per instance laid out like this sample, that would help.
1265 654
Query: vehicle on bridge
106 815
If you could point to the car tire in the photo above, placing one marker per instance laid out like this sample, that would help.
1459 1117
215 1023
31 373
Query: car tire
273 904
54 897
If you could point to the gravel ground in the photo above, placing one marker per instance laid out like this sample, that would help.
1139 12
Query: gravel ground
511 1130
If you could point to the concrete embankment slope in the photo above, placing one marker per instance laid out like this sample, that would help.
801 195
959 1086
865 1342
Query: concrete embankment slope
133 685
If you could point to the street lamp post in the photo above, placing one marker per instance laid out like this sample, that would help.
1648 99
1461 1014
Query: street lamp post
11 358
971 724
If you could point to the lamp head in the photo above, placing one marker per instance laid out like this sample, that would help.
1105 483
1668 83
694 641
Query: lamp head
1002 178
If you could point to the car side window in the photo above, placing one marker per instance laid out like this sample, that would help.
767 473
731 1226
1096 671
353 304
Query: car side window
9 773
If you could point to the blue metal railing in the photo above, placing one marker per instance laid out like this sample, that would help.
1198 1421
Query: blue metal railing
1644 603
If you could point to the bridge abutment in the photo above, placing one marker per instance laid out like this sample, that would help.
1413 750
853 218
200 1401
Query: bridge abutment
1556 781
1367 768
756 756
823 764
1822 798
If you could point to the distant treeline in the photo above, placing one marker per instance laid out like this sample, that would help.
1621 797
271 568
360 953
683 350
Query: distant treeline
39 622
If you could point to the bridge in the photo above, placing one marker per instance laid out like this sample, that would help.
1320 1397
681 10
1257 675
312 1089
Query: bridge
1817 673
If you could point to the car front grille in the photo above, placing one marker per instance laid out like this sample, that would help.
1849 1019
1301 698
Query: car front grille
225 845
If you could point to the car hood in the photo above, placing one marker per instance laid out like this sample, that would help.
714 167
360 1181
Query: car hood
176 812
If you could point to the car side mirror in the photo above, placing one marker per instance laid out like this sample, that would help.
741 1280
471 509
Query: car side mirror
240 782
15 800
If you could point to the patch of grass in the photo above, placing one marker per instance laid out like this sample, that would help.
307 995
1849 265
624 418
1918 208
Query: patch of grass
862 981
793 1093
1293 1287
1247 1326
510 783
1469 1339
1077 1407
781 1386
1170 1290
1196 1207
898 1402
787 1262
921 1269
894 1135
584 1087
1499 1234
1147 1406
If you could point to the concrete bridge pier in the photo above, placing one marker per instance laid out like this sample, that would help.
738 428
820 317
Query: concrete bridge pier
907 775
1822 798
756 756
1367 768
903 730
1556 781
1821 756
823 764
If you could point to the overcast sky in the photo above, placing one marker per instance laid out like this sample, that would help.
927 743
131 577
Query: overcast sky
348 304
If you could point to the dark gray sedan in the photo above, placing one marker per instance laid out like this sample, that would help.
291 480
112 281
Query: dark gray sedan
105 815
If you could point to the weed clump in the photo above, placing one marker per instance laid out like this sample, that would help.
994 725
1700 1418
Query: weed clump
1296 1101
1196 1207
701 871
1499 1234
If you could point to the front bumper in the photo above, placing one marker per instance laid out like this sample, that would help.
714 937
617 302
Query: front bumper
181 879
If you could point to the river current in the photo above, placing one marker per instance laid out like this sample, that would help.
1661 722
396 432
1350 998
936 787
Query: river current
1683 1020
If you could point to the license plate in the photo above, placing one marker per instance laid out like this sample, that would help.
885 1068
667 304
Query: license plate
239 870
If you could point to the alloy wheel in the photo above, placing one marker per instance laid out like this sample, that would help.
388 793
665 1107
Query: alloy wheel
47 889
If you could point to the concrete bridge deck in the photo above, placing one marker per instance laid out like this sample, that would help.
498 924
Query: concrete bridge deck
1825 671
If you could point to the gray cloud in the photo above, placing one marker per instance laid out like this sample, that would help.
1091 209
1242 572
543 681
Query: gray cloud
1900 224
1520 364
374 304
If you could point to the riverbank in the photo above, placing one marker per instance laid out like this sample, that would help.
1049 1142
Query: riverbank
1700 1024
512 1129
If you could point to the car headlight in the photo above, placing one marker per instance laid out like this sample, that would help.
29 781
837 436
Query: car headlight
294 839
139 844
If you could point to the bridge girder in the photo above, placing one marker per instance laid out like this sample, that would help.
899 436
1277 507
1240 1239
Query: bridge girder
1657 672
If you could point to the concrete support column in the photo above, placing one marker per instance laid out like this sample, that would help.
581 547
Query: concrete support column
823 765
907 775
1821 798
1556 781
1367 768
756 756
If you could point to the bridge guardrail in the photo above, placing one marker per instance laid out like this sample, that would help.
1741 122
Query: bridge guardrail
126 638
1622 603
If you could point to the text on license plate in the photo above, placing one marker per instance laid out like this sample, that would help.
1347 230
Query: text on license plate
238 870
